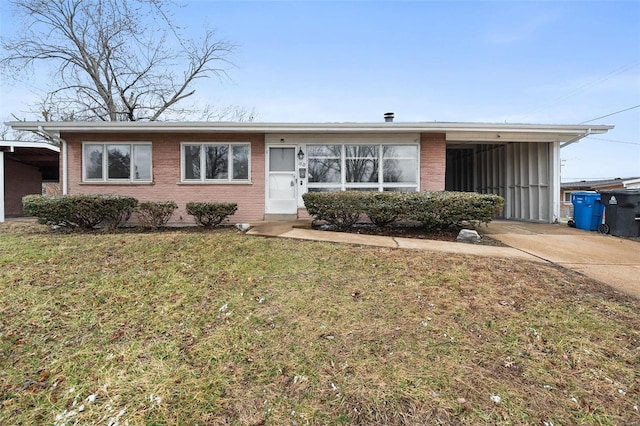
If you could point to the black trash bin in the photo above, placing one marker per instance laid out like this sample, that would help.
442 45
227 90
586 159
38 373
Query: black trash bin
622 212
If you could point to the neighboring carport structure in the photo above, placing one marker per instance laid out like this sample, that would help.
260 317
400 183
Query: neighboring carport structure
23 168
519 162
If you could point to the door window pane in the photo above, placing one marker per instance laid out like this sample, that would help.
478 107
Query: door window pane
93 161
119 161
282 159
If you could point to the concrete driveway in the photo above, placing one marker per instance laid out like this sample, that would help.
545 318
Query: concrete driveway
612 260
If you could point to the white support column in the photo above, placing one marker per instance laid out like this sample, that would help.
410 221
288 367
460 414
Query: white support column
554 181
64 166
1 186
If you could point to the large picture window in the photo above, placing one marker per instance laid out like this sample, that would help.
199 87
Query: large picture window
363 167
118 162
215 162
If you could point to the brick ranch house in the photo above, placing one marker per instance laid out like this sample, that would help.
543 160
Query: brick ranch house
266 167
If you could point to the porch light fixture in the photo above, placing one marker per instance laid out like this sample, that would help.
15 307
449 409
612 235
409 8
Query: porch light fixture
300 154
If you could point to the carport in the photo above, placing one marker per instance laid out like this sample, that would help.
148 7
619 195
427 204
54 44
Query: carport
523 166
24 166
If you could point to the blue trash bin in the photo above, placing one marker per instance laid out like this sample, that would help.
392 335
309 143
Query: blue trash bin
587 210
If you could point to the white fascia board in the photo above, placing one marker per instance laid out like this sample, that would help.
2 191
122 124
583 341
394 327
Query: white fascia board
22 144
221 127
511 136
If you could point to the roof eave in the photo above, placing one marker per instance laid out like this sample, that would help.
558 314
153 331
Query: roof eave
26 144
220 127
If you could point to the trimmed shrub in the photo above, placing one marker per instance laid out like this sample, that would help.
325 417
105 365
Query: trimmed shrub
383 208
115 209
80 211
155 214
437 210
211 214
340 209
434 210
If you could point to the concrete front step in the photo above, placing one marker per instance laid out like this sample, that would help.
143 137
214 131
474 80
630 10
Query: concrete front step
280 217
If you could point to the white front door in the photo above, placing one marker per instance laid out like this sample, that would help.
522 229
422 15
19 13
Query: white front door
281 180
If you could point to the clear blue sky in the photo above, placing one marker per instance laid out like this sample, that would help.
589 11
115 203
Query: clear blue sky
534 62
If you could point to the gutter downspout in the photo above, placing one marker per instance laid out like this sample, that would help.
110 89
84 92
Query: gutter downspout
576 139
64 154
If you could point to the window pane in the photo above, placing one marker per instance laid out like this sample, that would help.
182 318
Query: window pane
93 161
119 161
142 162
324 170
359 188
217 161
399 171
400 151
401 189
324 190
400 163
361 163
326 151
325 165
192 162
240 162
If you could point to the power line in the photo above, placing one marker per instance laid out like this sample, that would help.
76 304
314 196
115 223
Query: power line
613 140
582 87
609 115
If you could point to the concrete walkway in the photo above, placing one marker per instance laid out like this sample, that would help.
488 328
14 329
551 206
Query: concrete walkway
612 260
301 230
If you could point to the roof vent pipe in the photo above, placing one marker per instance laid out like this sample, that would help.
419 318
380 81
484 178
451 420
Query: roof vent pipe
388 117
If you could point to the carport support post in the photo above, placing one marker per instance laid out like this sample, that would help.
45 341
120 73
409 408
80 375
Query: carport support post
1 186
555 180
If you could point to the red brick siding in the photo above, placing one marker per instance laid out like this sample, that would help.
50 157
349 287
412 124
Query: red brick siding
20 180
166 174
433 157
303 213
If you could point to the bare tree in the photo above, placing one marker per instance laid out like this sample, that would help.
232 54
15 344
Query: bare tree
113 60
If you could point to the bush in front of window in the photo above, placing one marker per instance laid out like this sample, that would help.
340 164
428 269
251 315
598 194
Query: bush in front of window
383 208
434 210
155 214
442 209
340 209
211 214
80 211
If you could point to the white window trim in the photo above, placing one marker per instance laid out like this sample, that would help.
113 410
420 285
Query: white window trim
380 185
564 196
105 160
202 179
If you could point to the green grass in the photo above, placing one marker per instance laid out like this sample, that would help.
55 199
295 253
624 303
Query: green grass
184 327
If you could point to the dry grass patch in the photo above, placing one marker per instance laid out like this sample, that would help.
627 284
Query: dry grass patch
222 328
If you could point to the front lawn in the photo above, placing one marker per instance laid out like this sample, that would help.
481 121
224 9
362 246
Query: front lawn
217 327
